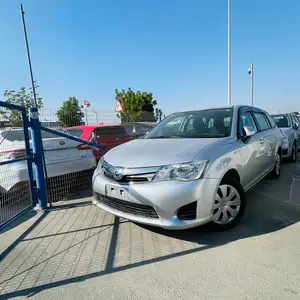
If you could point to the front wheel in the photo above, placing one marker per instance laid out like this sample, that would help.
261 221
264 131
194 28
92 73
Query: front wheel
229 205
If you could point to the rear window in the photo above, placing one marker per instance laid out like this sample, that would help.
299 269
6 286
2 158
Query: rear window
110 132
73 131
282 121
18 135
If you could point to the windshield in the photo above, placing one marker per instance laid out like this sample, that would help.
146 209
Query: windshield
209 123
73 131
282 121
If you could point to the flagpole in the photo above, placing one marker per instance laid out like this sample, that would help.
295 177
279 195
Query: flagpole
252 83
86 117
229 55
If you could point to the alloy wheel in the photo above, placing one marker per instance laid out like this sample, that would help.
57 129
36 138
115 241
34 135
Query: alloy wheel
277 164
227 204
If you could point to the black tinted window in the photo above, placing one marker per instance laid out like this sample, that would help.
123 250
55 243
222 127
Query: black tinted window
110 132
261 121
282 121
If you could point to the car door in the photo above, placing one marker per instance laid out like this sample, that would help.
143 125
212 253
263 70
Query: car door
249 147
297 130
265 135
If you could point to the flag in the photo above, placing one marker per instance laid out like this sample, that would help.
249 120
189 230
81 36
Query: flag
118 107
86 104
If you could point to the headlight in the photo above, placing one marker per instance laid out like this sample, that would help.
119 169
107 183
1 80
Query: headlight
182 172
100 164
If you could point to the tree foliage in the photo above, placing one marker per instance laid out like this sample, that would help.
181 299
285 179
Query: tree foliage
24 98
137 106
70 113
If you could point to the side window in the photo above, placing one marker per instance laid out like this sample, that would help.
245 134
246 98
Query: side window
246 120
295 119
261 121
271 120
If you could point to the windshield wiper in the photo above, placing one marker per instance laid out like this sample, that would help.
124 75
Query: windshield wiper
164 137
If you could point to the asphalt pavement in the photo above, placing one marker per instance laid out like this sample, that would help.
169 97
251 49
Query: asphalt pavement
77 251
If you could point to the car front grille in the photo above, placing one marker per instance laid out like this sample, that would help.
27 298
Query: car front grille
131 178
136 209
135 175
187 212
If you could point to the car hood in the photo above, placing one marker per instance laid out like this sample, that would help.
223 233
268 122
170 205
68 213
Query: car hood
156 152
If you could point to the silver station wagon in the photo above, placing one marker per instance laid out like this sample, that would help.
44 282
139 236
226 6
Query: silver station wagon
192 168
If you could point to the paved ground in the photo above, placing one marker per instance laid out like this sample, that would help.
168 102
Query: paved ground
79 252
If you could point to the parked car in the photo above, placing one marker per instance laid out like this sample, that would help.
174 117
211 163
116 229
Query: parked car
289 125
108 136
138 130
192 168
62 156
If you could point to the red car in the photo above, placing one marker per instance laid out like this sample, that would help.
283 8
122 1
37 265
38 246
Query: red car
108 136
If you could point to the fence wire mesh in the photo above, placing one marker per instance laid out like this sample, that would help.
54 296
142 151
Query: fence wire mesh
15 192
69 164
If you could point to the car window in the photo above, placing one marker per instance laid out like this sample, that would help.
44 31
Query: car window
246 119
261 120
129 128
271 120
73 131
110 132
282 121
295 119
18 135
209 123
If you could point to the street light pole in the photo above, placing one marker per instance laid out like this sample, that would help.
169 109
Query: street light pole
96 117
252 84
28 54
229 55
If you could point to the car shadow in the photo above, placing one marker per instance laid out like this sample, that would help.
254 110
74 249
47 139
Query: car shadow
264 214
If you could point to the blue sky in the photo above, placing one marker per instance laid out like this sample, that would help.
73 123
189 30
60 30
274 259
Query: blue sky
175 49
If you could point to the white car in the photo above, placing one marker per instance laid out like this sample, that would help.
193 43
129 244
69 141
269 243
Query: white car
62 156
288 123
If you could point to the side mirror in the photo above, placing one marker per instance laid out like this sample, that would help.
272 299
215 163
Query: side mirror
248 131
296 126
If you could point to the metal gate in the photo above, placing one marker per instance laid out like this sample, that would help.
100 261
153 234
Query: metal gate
17 192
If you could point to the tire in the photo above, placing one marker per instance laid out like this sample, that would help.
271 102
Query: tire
275 174
293 157
236 203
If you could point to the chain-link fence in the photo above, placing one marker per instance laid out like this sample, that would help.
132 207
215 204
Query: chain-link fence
15 192
69 164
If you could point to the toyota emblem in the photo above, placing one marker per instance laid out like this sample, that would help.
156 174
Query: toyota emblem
62 143
118 173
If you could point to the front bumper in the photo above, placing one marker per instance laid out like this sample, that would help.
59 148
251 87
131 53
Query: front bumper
166 198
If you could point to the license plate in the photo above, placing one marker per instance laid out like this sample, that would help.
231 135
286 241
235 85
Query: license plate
117 192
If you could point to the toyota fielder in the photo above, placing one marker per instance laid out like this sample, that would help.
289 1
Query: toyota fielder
192 168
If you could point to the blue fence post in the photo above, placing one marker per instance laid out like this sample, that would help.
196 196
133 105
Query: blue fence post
37 157
29 155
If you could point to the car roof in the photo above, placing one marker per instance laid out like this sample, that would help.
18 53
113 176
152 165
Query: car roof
235 107
82 127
